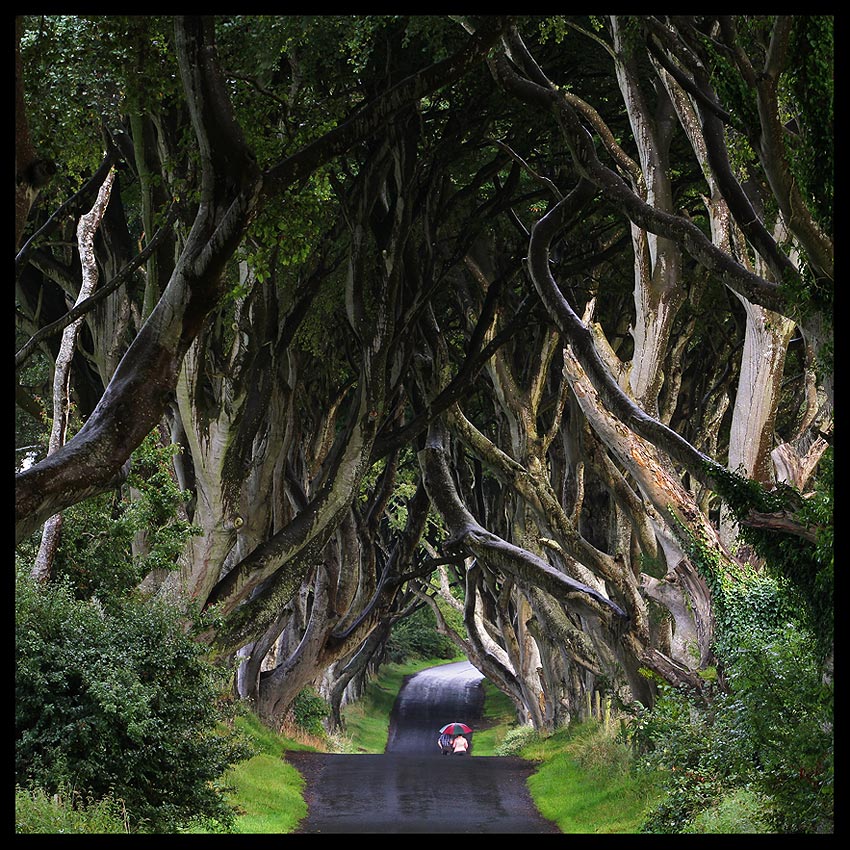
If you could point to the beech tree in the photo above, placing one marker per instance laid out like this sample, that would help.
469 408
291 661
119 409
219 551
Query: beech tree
556 289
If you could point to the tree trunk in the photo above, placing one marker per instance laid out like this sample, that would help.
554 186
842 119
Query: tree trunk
136 397
86 229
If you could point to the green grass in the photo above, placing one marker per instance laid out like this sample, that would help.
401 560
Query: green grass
582 782
66 813
588 800
269 791
741 812
269 795
499 717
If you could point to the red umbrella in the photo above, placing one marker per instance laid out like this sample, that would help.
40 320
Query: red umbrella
456 729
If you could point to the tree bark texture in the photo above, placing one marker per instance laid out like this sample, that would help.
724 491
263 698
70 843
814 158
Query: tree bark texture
498 316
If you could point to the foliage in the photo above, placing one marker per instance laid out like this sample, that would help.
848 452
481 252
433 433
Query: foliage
516 740
770 732
584 782
156 504
268 793
120 703
781 704
770 729
67 812
416 637
78 70
31 422
672 741
741 811
810 82
309 711
96 550
807 567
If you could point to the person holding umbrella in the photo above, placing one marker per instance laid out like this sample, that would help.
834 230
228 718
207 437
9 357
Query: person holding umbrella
459 744
444 742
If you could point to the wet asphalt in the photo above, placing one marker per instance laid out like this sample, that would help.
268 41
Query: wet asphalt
412 787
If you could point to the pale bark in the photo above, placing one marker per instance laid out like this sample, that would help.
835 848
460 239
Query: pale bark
584 562
658 486
467 534
349 615
658 264
757 397
616 191
765 342
86 228
285 556
794 466
770 145
230 190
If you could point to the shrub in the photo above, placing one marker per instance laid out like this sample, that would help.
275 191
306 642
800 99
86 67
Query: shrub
96 551
772 733
781 703
742 811
599 749
309 712
515 740
119 703
416 636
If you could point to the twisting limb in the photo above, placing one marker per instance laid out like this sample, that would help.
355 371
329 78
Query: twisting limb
86 228
87 304
468 534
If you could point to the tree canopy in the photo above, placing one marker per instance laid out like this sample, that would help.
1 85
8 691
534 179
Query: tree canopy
527 319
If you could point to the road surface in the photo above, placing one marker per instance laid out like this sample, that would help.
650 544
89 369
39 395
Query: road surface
412 787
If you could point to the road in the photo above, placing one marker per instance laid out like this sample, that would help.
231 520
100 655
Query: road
412 787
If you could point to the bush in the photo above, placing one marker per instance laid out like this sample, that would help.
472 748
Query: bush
600 749
772 734
515 740
416 636
741 812
96 550
309 712
121 704
782 704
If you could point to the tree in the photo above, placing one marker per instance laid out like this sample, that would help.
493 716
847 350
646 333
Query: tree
526 252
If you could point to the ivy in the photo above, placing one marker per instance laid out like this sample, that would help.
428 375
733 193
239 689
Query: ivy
96 551
802 568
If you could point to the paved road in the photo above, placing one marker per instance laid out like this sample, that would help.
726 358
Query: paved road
411 787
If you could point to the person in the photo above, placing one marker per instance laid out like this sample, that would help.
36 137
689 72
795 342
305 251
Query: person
460 746
444 742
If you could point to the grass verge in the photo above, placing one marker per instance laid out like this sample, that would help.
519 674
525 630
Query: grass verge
582 783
